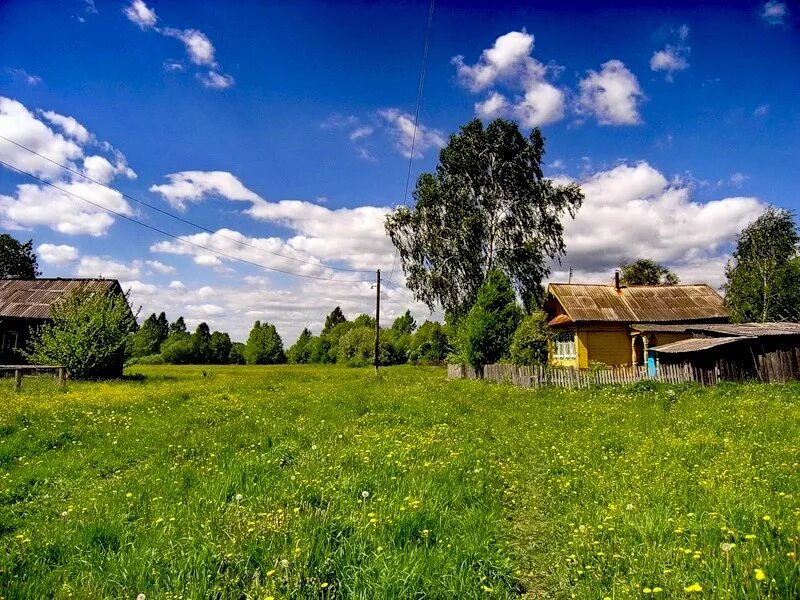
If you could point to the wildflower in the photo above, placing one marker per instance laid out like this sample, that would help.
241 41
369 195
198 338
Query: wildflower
766 518
726 547
760 575
285 563
271 572
324 584
487 589
750 536
365 494
140 597
695 587
129 495
238 497
657 590
647 591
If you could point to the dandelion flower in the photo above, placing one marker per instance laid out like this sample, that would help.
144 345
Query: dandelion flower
726 547
238 497
140 597
365 494
695 587
759 575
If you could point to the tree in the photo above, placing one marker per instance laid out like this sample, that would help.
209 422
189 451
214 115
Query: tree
179 326
485 334
87 334
404 324
201 345
487 206
17 260
162 328
357 347
333 319
531 342
364 320
644 271
177 350
299 352
429 345
264 346
236 356
146 339
764 273
219 346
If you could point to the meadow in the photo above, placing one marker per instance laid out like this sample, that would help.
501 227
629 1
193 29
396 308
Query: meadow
325 482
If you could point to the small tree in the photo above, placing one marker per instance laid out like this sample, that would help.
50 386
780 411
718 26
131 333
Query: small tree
219 348
299 352
485 335
531 342
644 271
236 356
179 326
763 275
87 334
264 345
357 347
201 345
146 340
430 344
17 260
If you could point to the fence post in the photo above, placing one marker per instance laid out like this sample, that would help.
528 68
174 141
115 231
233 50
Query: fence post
62 377
17 380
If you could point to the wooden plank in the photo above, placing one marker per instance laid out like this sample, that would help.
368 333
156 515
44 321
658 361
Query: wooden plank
17 380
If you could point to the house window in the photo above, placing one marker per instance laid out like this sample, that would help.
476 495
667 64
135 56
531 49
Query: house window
9 340
565 345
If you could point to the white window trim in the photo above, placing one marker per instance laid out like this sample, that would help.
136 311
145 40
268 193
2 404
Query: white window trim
565 348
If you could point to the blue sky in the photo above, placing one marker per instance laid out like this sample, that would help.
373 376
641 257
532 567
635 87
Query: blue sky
287 125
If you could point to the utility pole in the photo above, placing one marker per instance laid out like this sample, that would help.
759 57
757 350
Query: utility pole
377 320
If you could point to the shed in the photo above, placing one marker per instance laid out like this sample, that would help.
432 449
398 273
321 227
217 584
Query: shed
25 304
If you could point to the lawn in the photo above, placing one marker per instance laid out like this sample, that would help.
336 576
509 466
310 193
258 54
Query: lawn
325 482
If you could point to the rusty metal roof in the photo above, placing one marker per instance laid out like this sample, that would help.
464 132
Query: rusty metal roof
31 298
644 304
749 329
661 327
697 344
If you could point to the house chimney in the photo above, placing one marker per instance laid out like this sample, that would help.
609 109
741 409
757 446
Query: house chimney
616 280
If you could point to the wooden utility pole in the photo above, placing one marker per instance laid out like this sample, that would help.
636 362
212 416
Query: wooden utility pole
377 320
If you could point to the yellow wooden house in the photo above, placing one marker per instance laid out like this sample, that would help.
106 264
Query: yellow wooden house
615 324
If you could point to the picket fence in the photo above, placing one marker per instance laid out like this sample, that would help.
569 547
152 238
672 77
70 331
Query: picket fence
536 377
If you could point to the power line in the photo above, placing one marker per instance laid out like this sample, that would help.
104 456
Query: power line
173 215
420 90
177 237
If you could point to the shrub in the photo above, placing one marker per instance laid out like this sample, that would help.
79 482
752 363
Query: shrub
429 345
87 334
531 342
357 347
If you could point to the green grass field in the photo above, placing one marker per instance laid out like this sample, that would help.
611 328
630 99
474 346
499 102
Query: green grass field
323 482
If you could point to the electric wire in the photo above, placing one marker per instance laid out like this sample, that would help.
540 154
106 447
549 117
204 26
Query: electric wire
173 215
179 238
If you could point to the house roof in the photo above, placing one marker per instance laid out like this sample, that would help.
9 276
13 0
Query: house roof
641 303
749 329
661 327
697 344
31 298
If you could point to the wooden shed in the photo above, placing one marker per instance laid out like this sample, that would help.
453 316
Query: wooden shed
767 352
25 304
615 325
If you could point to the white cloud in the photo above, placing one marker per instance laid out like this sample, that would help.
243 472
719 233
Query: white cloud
207 310
193 186
402 131
509 63
176 285
762 110
738 179
674 56
774 12
138 12
633 211
216 80
173 65
24 76
611 95
159 266
361 132
96 266
69 126
58 255
198 46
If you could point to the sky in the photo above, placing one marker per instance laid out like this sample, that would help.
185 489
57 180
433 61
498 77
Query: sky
233 162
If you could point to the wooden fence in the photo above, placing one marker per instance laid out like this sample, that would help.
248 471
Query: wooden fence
59 372
536 377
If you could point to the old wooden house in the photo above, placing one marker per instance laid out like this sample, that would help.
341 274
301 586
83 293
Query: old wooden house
615 324
25 305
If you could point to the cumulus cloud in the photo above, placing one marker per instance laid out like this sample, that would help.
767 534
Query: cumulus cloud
774 12
193 186
96 266
159 267
674 56
632 210
611 95
215 80
58 255
404 136
198 46
61 209
509 63
139 13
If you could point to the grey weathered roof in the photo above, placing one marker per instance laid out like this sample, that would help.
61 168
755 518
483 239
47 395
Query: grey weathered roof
661 327
645 303
31 298
697 344
749 329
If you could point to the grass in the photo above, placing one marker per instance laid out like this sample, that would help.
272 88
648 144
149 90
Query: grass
322 482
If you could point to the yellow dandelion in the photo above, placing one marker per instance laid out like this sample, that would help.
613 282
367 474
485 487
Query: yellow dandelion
759 575
691 589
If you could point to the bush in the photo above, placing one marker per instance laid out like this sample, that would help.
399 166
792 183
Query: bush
531 342
152 359
87 334
177 350
357 347
485 335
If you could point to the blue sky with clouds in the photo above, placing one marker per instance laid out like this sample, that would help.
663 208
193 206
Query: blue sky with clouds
286 127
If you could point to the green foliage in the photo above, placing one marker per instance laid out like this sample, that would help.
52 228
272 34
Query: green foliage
87 334
201 345
236 356
644 271
299 352
488 206
332 320
404 324
332 338
219 347
319 350
177 349
148 338
179 326
430 345
486 333
17 259
531 342
364 320
763 278
264 346
357 347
